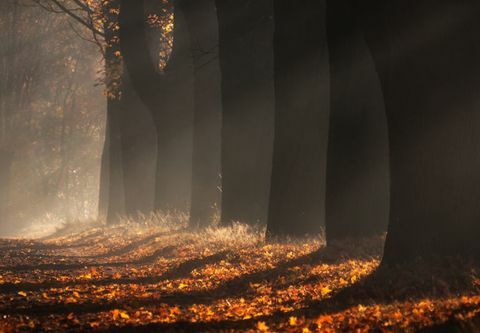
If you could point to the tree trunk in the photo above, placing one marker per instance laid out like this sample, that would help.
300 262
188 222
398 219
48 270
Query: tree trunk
203 29
301 119
173 116
169 98
432 49
116 189
357 197
139 148
6 161
104 175
246 62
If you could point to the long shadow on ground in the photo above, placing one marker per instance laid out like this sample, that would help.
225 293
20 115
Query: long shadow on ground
181 271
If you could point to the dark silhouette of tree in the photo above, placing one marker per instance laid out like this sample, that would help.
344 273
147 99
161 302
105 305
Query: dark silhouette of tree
201 20
246 62
301 119
131 137
427 54
357 173
168 95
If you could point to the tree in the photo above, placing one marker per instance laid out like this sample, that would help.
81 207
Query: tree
301 119
168 94
201 21
246 63
427 54
357 173
128 165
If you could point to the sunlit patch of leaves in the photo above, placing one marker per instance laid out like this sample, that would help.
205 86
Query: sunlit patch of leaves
153 271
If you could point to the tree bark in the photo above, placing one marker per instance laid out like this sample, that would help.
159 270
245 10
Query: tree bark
169 98
246 62
6 161
301 119
202 24
103 193
139 149
357 199
116 189
174 121
432 81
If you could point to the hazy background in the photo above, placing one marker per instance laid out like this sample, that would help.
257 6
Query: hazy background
52 120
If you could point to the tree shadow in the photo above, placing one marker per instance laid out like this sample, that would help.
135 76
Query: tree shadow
235 287
385 285
181 271
80 265
40 246
133 245
365 292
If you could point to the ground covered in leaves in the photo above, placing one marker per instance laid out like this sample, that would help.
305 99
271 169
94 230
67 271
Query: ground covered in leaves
155 275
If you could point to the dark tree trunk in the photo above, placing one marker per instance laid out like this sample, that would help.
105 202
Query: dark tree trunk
201 21
116 189
173 116
128 163
6 161
139 151
301 119
169 98
246 62
357 199
432 49
104 175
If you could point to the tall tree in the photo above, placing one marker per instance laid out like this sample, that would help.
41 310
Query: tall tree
168 95
246 62
301 119
201 20
427 53
128 162
357 173
131 141
112 178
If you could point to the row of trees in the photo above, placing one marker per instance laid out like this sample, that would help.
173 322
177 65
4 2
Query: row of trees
283 76
366 108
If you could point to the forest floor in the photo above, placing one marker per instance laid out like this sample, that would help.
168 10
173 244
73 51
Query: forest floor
154 275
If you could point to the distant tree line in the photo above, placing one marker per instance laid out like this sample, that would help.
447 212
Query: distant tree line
51 119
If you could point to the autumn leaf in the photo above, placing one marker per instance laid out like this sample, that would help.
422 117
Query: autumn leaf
325 291
22 293
262 327
119 314
292 321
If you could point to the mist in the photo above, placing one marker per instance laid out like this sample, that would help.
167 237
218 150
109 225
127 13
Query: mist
239 166
52 122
